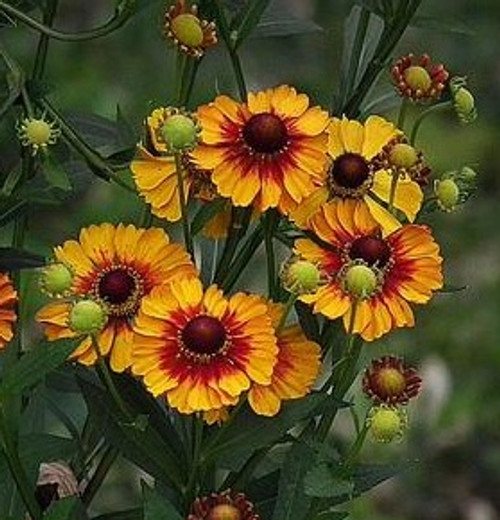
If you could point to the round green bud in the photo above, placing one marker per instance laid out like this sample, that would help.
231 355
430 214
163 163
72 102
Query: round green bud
187 29
38 131
447 193
403 155
56 280
302 277
360 281
386 424
465 105
179 132
87 317
467 174
418 78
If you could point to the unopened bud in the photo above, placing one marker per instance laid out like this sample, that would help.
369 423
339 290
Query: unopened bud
56 280
447 193
386 423
179 132
87 317
301 276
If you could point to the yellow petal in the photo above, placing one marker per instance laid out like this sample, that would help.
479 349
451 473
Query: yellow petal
378 133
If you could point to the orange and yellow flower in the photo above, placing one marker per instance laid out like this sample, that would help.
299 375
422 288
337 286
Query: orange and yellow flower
356 174
8 316
406 267
296 370
116 266
199 349
270 148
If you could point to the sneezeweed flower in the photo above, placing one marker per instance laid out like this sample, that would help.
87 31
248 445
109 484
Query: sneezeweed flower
199 349
8 316
387 423
389 380
115 267
295 372
418 79
402 267
38 134
187 30
227 505
271 148
55 280
401 159
356 173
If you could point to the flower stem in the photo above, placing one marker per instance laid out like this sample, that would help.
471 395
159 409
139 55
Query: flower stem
356 447
421 118
269 222
286 311
17 471
120 18
107 460
392 193
197 437
403 111
43 43
188 240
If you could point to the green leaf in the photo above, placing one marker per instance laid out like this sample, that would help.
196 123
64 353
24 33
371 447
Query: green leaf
323 481
54 172
249 432
138 441
32 368
452 288
331 515
292 503
62 509
12 180
129 514
442 25
157 506
206 213
12 259
247 19
367 476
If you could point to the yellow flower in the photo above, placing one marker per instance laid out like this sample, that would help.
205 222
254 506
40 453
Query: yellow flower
117 267
264 151
8 316
200 349
406 262
356 174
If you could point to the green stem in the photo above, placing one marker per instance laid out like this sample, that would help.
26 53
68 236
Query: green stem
225 32
17 470
188 240
426 113
107 460
391 34
356 447
392 193
403 111
269 224
118 20
180 67
243 258
195 473
286 311
95 161
43 42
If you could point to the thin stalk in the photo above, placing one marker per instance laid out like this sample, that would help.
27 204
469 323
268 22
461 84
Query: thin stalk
107 460
423 116
17 471
188 239
356 447
392 193
179 75
118 20
403 111
286 311
269 223
194 473
225 32
93 159
43 42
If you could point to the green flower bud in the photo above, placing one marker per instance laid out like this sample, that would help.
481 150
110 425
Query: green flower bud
179 132
56 280
447 193
360 281
87 317
403 155
187 29
301 277
386 423
467 175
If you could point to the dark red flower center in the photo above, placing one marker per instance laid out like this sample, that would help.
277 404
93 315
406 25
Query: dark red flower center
265 133
204 335
373 250
350 171
116 286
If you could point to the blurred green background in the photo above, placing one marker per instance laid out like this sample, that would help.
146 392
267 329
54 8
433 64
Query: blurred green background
455 426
